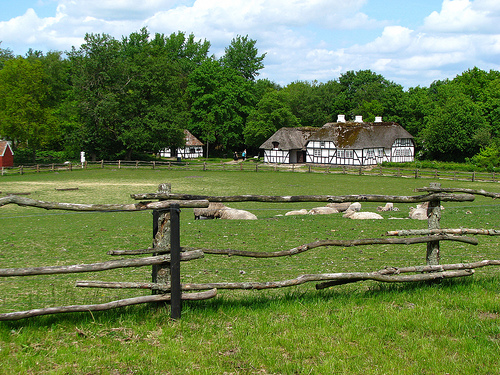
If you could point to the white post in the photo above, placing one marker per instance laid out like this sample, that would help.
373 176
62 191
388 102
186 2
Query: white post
82 158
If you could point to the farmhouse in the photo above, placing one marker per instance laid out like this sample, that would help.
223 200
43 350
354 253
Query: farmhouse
193 148
347 143
6 154
360 143
286 146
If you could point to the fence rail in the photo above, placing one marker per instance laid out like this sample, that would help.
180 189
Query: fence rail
166 284
254 166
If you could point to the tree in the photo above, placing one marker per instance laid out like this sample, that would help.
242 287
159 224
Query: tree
242 56
452 125
5 54
98 83
220 102
25 114
365 91
271 113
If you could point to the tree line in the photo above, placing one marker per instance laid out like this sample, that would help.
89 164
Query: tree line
123 99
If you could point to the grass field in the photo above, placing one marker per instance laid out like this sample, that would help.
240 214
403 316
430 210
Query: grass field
370 328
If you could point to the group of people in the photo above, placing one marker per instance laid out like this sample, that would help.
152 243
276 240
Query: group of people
243 155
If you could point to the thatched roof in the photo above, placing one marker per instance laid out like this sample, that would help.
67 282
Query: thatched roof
289 138
191 140
351 135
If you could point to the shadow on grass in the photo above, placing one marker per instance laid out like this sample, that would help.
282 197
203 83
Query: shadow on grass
232 303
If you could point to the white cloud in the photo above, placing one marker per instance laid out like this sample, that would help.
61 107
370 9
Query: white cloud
303 39
464 16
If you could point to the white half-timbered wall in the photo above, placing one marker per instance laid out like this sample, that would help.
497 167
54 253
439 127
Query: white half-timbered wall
403 151
188 152
277 156
319 152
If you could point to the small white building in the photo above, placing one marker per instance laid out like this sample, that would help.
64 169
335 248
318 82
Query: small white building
192 149
286 146
343 143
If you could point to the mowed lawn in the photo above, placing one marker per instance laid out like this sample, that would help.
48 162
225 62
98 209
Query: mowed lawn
448 327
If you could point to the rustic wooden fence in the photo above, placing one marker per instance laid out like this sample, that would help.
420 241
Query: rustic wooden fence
167 253
255 166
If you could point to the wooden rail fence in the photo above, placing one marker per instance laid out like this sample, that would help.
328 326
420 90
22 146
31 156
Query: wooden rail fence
166 254
197 165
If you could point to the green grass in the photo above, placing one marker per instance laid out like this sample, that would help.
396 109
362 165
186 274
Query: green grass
370 328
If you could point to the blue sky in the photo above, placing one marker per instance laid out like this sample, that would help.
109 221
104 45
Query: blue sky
410 42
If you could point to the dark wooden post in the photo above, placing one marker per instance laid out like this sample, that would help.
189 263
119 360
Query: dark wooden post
175 263
161 239
433 217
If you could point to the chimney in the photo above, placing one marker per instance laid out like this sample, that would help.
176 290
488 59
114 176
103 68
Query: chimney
340 118
378 118
358 119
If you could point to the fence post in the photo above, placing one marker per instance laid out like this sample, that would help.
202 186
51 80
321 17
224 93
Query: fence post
473 176
204 165
175 263
433 217
21 169
102 164
161 239
3 171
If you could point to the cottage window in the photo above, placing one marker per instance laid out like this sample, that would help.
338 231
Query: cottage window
349 154
275 145
317 152
340 153
322 144
370 154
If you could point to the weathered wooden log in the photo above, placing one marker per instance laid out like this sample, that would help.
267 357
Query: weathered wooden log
22 201
96 267
311 198
460 190
386 275
106 306
149 250
399 278
459 231
342 243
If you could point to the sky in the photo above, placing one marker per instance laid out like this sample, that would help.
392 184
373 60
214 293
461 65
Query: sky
410 42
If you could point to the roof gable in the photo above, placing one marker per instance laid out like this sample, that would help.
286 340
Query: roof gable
289 138
191 140
4 146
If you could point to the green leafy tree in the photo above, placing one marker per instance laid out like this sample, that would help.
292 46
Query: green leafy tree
220 102
451 126
98 83
25 114
5 54
271 113
243 56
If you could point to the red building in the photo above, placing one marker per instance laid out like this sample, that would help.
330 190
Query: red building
6 154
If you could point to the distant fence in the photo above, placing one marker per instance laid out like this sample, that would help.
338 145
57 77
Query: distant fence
255 166
167 253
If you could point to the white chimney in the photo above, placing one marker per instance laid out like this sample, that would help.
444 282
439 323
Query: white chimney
358 119
378 118
340 118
